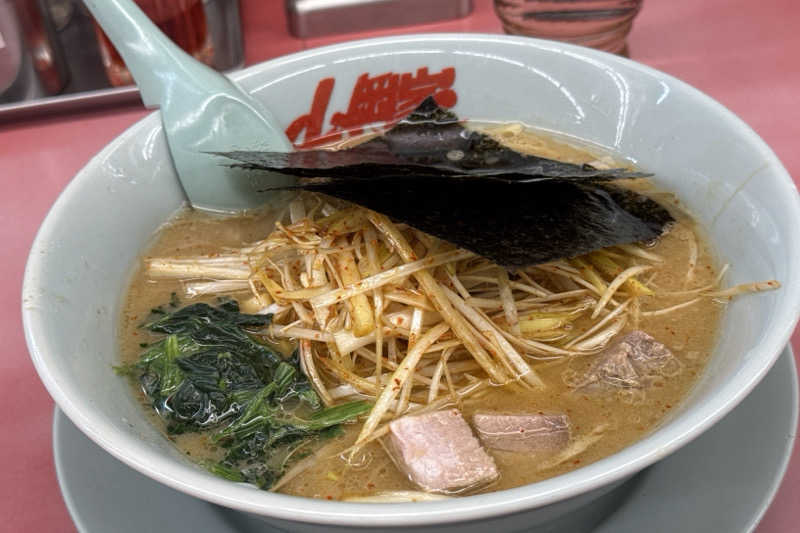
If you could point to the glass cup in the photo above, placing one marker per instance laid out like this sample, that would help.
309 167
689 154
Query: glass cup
183 21
601 24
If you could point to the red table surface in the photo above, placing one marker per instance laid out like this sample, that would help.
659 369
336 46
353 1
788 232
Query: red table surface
744 53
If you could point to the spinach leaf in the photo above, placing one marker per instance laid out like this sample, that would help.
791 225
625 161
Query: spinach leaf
211 373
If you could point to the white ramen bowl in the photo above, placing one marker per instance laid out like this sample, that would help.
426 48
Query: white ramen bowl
720 169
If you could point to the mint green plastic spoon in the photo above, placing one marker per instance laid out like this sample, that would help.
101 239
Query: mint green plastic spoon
201 111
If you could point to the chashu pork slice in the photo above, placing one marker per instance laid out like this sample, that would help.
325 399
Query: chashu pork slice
631 363
531 433
439 452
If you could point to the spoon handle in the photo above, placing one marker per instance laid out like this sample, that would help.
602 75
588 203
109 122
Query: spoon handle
151 57
202 111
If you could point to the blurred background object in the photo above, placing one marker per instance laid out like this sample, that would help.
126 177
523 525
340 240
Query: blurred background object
59 61
183 21
601 24
31 59
46 54
313 18
10 47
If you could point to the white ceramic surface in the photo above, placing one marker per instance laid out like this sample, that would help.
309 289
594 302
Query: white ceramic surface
718 167
708 485
202 110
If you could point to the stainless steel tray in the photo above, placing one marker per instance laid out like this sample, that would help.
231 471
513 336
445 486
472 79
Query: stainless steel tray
88 86
313 18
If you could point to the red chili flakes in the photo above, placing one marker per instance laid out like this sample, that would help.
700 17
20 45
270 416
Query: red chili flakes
328 497
576 462
370 485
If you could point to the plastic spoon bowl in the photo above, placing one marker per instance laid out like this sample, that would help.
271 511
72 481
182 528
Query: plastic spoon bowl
201 110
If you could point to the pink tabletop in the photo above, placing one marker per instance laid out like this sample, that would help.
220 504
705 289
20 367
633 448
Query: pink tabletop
744 53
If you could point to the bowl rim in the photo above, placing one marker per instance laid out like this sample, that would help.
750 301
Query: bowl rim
594 476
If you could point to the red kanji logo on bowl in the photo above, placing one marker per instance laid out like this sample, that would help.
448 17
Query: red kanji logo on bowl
383 98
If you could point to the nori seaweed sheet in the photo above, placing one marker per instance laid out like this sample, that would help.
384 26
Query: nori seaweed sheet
514 225
433 174
429 142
